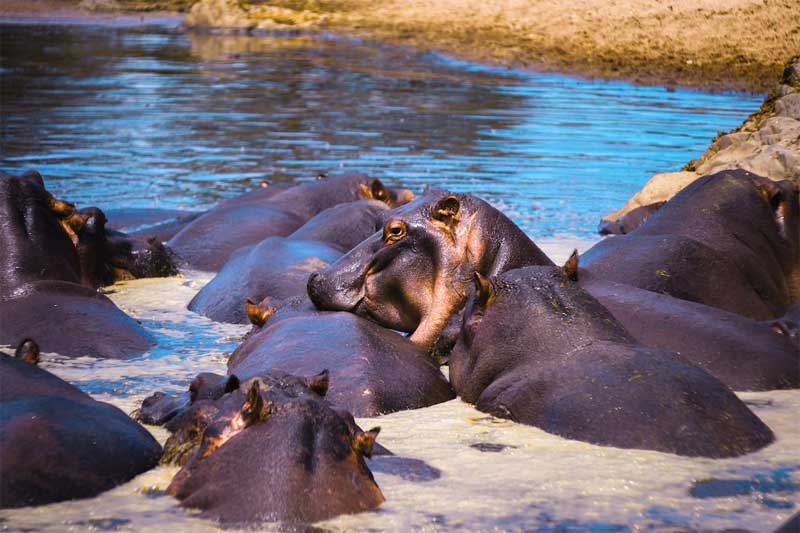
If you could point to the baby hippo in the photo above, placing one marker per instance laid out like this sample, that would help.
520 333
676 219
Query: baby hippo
537 349
271 449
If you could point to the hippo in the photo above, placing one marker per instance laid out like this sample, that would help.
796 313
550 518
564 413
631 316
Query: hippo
417 273
207 242
159 408
277 268
535 348
46 288
108 256
345 225
729 240
71 320
33 238
630 221
57 443
49 239
745 354
373 370
274 450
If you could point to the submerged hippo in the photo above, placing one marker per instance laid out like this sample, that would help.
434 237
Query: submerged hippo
57 443
146 223
417 273
277 268
71 320
271 449
207 242
110 256
537 349
373 370
46 262
745 354
730 240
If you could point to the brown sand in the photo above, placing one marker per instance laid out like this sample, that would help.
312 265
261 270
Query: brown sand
715 44
721 44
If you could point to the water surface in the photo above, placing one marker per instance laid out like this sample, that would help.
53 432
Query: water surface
124 117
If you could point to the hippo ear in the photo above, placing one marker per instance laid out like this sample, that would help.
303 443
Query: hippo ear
61 208
232 384
378 190
776 199
28 351
570 268
484 292
254 409
363 441
319 383
446 210
257 314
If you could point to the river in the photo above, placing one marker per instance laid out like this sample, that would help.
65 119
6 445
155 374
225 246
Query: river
132 115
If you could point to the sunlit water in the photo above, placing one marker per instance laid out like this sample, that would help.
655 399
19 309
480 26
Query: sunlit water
119 116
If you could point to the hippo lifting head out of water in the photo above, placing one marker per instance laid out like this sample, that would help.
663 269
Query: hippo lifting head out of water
537 349
274 450
417 272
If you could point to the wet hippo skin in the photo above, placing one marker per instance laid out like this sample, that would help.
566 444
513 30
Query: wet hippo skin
45 259
71 320
274 450
373 370
57 443
33 242
207 242
417 273
537 349
730 240
745 354
277 268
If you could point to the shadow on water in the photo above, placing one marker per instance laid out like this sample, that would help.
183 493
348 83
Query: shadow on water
125 117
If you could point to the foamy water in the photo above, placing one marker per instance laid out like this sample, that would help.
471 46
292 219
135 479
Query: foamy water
455 467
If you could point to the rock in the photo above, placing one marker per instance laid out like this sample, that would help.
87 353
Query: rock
767 144
237 15
660 188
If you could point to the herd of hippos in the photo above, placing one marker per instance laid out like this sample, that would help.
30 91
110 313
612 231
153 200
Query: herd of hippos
636 344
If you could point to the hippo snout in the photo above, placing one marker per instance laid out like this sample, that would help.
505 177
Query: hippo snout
326 294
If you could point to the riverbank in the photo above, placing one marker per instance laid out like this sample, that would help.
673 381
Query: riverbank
710 44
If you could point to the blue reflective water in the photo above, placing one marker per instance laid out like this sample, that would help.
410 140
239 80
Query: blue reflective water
120 117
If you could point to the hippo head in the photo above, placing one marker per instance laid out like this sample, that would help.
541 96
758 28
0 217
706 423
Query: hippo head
418 271
536 309
393 197
223 407
34 239
276 451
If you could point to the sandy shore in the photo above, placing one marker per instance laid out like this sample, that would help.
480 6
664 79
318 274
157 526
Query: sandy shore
720 44
713 44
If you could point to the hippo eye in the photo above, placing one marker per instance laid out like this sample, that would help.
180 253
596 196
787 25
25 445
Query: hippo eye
394 231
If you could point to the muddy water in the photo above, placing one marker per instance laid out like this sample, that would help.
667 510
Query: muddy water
129 116
455 468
